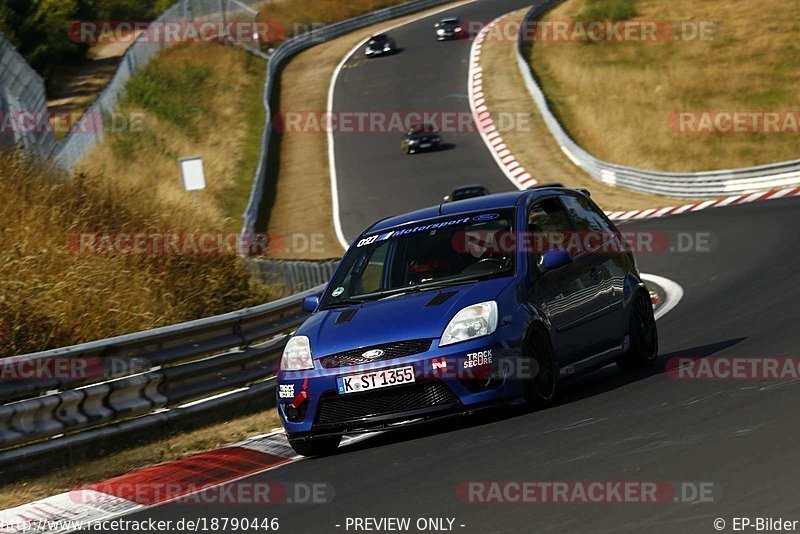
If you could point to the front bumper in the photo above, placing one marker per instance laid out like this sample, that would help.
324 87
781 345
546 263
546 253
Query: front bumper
378 52
431 145
448 380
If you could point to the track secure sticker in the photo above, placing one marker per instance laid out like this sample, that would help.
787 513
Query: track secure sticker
476 359
286 391
338 291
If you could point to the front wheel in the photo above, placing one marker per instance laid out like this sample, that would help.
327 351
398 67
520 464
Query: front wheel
643 350
540 389
316 446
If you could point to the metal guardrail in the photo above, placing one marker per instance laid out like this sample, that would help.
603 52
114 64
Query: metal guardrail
294 276
676 184
109 387
286 51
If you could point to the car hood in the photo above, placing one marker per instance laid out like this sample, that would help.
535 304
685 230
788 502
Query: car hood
418 315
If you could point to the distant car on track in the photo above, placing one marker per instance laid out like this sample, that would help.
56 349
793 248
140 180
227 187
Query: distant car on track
439 313
380 45
449 28
421 137
466 191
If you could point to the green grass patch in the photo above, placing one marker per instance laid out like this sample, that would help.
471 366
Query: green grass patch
173 95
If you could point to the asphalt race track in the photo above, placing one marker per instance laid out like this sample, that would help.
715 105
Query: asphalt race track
375 178
740 300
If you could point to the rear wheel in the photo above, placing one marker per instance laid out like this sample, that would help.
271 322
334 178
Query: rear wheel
316 446
643 350
540 389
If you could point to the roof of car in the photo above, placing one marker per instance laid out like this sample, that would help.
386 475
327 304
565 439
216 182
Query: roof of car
469 205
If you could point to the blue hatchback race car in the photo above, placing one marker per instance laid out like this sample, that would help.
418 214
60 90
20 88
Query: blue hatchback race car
470 304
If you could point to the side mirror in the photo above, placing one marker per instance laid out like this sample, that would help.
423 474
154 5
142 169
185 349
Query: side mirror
553 259
310 303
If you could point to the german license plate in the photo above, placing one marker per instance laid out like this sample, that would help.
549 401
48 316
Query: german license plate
375 379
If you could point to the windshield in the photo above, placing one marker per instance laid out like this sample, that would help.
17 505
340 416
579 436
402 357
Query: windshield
422 128
446 251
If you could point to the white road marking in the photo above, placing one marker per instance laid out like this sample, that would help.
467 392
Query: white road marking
673 291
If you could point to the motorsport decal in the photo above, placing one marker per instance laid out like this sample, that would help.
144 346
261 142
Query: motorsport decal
397 233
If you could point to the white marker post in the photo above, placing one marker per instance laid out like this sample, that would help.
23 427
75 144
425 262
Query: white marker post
193 176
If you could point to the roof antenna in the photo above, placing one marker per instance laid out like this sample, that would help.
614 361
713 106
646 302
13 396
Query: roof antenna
440 208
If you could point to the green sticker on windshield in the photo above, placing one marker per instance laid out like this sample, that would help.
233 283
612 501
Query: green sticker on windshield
338 291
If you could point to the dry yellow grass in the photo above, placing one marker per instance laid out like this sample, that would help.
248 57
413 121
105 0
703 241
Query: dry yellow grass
304 157
168 449
615 99
53 296
534 147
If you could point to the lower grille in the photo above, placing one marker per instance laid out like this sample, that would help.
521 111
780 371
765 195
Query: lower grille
337 409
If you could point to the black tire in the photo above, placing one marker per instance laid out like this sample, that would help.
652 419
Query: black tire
643 351
316 446
541 389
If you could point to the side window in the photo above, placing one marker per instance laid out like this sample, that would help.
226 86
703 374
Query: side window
593 229
587 219
548 216
548 227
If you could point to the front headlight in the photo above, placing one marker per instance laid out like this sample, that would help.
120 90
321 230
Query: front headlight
473 321
297 355
440 31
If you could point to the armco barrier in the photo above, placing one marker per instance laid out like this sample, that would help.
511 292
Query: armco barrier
676 184
145 379
292 275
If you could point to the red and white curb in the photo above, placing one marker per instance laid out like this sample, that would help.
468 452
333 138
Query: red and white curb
523 179
513 170
746 198
152 486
